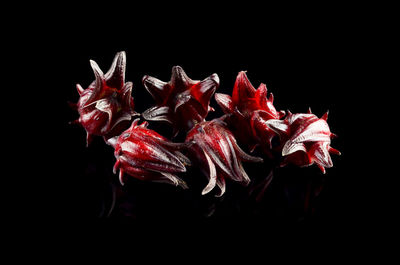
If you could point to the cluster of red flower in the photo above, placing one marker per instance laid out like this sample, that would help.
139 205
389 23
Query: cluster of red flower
106 109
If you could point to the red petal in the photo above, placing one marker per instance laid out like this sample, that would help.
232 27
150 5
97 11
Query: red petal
115 77
261 95
98 85
320 155
158 89
179 79
225 102
212 175
242 89
204 90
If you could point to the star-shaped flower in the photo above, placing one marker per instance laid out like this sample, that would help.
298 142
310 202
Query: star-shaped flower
306 139
182 102
248 110
106 105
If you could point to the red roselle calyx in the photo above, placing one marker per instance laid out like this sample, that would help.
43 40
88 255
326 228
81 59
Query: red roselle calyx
182 102
306 139
248 110
106 105
218 155
106 109
144 154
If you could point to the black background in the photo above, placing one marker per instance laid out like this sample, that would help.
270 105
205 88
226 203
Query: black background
306 57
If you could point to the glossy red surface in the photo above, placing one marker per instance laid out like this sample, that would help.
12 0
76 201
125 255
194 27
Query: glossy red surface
306 139
106 108
248 109
107 103
216 151
182 102
144 154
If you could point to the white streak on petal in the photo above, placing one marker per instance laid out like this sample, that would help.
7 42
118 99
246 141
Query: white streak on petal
316 131
213 175
236 172
104 105
124 117
173 179
321 155
246 178
222 186
98 83
292 118
183 158
277 126
224 101
153 85
157 114
119 63
291 147
215 158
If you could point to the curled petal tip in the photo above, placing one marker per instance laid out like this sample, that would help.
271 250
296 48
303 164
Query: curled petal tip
321 168
121 177
215 78
116 166
183 184
96 69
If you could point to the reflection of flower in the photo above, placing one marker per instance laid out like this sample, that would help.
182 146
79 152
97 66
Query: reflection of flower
249 109
306 139
107 101
219 156
144 154
182 102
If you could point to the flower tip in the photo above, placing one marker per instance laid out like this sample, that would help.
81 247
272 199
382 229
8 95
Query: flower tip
96 69
183 184
325 116
215 78
112 141
122 54
177 69
242 74
322 169
80 89
144 78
